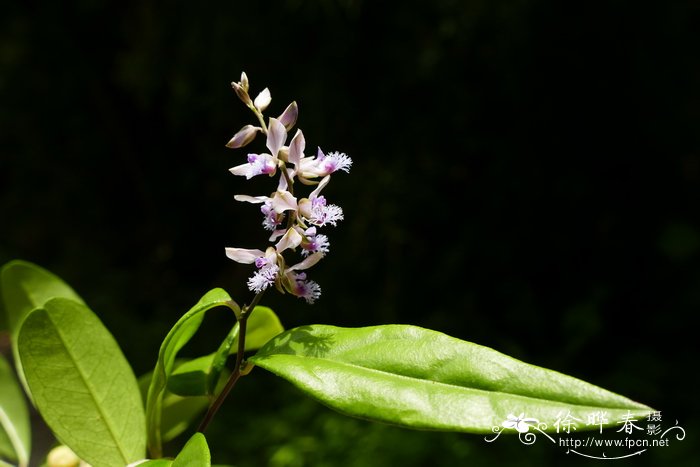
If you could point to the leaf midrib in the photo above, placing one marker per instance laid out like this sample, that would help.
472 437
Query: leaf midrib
411 378
89 387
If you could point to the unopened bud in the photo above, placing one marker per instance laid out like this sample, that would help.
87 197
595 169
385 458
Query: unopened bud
241 93
289 116
263 100
62 456
244 81
244 136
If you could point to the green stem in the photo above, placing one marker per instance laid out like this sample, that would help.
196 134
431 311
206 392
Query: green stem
261 119
236 374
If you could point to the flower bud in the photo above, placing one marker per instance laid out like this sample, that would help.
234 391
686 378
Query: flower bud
263 100
244 81
62 456
244 136
289 116
241 93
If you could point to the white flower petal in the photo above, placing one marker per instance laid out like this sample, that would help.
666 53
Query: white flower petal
244 136
283 201
240 169
307 263
291 239
276 136
242 255
296 148
282 185
263 100
321 185
251 199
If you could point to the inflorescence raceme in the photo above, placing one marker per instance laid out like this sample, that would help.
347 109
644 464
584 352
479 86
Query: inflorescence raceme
293 221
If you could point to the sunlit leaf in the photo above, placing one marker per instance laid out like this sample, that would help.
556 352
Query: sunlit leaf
195 453
417 378
178 336
156 463
263 325
81 383
25 286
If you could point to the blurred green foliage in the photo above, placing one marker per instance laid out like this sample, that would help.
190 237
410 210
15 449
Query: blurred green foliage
533 165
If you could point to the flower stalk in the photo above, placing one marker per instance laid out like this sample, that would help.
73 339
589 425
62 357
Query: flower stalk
238 366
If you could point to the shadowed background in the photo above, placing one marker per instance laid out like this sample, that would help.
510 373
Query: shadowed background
526 176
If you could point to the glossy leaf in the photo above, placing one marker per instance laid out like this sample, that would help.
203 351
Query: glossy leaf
417 378
15 435
82 384
25 286
194 453
178 336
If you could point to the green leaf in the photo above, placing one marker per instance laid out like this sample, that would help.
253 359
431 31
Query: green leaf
25 286
200 376
82 384
263 325
15 435
417 378
195 452
191 378
157 463
217 363
177 412
178 336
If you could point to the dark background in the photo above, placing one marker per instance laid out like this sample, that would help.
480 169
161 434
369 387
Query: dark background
526 176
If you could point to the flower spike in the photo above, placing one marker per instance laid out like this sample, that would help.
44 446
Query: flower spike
293 221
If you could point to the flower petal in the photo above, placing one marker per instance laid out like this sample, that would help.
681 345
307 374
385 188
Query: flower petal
251 199
283 201
291 239
296 148
276 136
321 185
244 136
289 116
242 255
240 169
307 263
262 100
